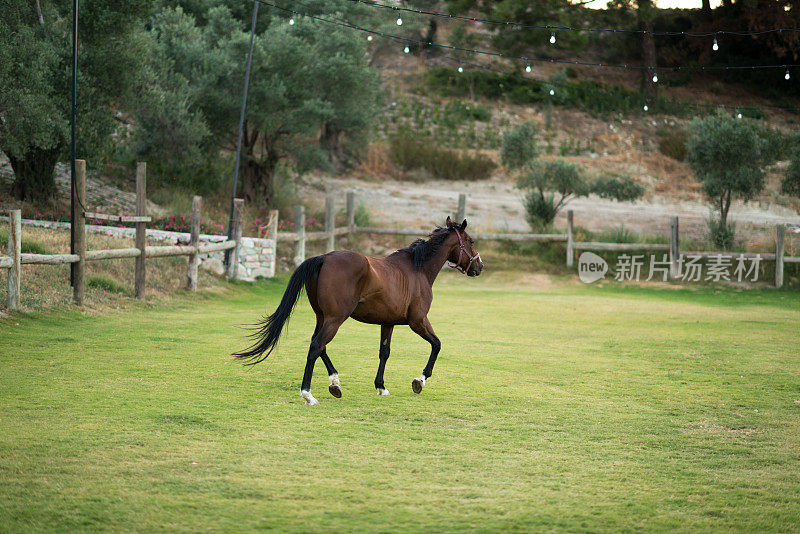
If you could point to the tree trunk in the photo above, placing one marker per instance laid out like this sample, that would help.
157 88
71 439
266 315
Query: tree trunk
258 179
725 205
329 141
706 9
645 14
34 175
430 37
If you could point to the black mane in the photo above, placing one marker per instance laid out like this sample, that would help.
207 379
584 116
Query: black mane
422 250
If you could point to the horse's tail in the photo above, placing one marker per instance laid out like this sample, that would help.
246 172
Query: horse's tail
269 328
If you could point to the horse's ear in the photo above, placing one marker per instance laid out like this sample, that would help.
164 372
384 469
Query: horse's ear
448 222
464 225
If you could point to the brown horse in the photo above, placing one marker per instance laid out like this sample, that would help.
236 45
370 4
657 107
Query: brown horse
387 291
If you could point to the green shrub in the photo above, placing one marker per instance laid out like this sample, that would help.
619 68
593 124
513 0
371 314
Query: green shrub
588 95
106 283
617 235
410 153
540 209
752 112
541 177
775 145
361 216
28 246
672 142
460 112
721 233
619 188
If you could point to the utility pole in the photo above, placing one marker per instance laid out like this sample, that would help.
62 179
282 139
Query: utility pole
241 125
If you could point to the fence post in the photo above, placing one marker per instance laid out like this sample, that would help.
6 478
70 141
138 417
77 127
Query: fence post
79 280
779 252
273 235
14 250
461 214
570 241
194 240
330 223
236 234
351 211
300 228
141 229
674 249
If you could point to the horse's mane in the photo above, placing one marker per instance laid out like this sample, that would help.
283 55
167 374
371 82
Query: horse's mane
422 250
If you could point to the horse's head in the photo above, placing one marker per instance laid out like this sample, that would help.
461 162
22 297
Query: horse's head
463 255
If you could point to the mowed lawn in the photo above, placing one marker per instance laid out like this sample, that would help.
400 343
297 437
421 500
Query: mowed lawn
563 408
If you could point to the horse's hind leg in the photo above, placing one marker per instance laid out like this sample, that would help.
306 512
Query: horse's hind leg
324 335
333 375
383 355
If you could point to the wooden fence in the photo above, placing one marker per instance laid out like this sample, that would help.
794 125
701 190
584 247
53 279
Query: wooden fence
140 252
300 236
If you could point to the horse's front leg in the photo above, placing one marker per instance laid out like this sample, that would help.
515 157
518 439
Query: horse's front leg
424 329
383 355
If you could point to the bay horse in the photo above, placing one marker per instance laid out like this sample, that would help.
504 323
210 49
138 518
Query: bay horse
390 291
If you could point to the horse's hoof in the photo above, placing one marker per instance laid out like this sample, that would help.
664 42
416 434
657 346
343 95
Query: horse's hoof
309 398
417 384
335 390
383 392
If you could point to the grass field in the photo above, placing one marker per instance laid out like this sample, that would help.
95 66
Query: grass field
567 408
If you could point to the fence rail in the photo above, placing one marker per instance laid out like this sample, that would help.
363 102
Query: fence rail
140 252
300 237
672 248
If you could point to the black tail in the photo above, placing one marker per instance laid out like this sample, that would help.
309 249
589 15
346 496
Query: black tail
270 328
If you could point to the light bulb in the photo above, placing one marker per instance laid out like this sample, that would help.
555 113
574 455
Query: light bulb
655 78
715 46
406 50
786 77
553 38
528 69
552 92
399 21
291 22
645 107
460 69
369 37
739 115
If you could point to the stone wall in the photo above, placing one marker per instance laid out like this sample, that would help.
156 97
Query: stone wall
256 256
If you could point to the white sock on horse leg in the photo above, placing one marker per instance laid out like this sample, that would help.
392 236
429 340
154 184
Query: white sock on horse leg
308 397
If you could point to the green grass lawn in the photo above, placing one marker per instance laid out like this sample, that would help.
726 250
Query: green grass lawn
566 408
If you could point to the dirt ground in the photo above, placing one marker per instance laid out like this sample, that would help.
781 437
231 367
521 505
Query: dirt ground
496 206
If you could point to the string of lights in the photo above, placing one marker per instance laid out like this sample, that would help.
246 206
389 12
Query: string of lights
531 59
646 103
553 85
553 27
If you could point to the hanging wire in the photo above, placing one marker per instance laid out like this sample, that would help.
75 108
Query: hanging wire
571 28
625 66
406 40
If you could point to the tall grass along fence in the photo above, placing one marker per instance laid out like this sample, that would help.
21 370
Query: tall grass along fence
140 252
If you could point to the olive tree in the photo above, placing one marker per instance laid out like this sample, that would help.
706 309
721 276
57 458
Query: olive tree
726 155
311 89
35 60
549 185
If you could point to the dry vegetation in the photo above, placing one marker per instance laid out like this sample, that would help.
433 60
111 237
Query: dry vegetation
108 282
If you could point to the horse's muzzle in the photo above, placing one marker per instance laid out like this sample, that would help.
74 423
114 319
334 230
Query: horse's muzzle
476 269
